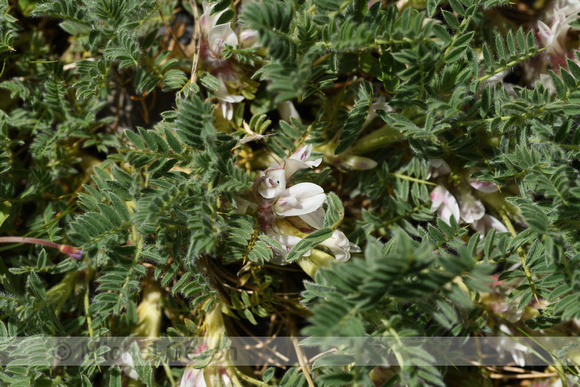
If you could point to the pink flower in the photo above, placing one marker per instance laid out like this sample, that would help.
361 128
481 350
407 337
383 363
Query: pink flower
444 203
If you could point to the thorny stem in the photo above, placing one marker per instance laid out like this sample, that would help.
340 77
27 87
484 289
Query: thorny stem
71 251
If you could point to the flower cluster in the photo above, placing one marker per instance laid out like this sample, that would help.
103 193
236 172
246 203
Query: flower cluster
288 213
214 40
468 209
554 37
553 33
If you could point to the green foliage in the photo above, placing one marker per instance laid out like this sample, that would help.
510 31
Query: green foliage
126 133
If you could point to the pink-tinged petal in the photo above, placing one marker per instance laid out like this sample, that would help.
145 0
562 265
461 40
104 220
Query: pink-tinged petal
219 36
471 208
359 163
444 203
300 199
248 38
437 197
484 186
338 245
314 219
193 377
287 242
299 160
272 183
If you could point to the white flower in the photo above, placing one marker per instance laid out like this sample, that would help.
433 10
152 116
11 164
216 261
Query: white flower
438 167
287 242
192 377
226 99
272 182
444 203
300 199
314 219
549 37
471 209
299 160
340 246
219 36
486 223
379 104
126 361
248 38
287 110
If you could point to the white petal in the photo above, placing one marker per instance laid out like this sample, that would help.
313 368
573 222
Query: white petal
314 219
300 199
484 186
450 202
287 111
287 242
218 36
272 183
437 196
291 166
249 38
303 153
339 245
495 223
471 208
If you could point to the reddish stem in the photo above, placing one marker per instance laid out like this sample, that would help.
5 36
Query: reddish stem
73 252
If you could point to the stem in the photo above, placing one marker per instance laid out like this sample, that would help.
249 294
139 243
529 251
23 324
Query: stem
521 252
73 252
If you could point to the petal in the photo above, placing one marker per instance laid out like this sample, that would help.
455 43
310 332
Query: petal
484 186
291 166
437 196
248 38
272 183
287 111
358 163
300 199
495 223
218 36
444 203
471 208
303 153
287 242
339 245
314 219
